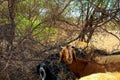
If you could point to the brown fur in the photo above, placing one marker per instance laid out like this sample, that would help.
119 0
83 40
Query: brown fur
66 52
81 67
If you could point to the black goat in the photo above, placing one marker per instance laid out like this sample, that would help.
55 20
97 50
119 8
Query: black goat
45 73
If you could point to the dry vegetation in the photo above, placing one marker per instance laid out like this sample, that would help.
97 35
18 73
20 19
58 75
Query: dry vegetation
22 64
106 41
32 31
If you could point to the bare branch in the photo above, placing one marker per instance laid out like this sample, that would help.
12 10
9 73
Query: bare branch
65 21
7 64
64 8
110 33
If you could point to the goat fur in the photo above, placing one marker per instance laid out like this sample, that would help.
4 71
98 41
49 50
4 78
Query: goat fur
81 67
49 74
102 76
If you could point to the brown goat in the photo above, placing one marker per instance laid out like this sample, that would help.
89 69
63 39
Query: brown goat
81 67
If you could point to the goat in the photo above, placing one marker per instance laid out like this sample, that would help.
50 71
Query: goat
45 73
82 67
79 67
102 76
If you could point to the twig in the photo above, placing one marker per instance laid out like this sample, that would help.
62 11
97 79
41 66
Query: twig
110 33
7 62
14 59
64 8
67 22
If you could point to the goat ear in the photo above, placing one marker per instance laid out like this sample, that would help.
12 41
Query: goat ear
61 47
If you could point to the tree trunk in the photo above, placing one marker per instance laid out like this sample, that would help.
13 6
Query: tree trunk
11 8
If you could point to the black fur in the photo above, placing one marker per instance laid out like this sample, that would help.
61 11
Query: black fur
49 74
79 53
101 52
115 53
